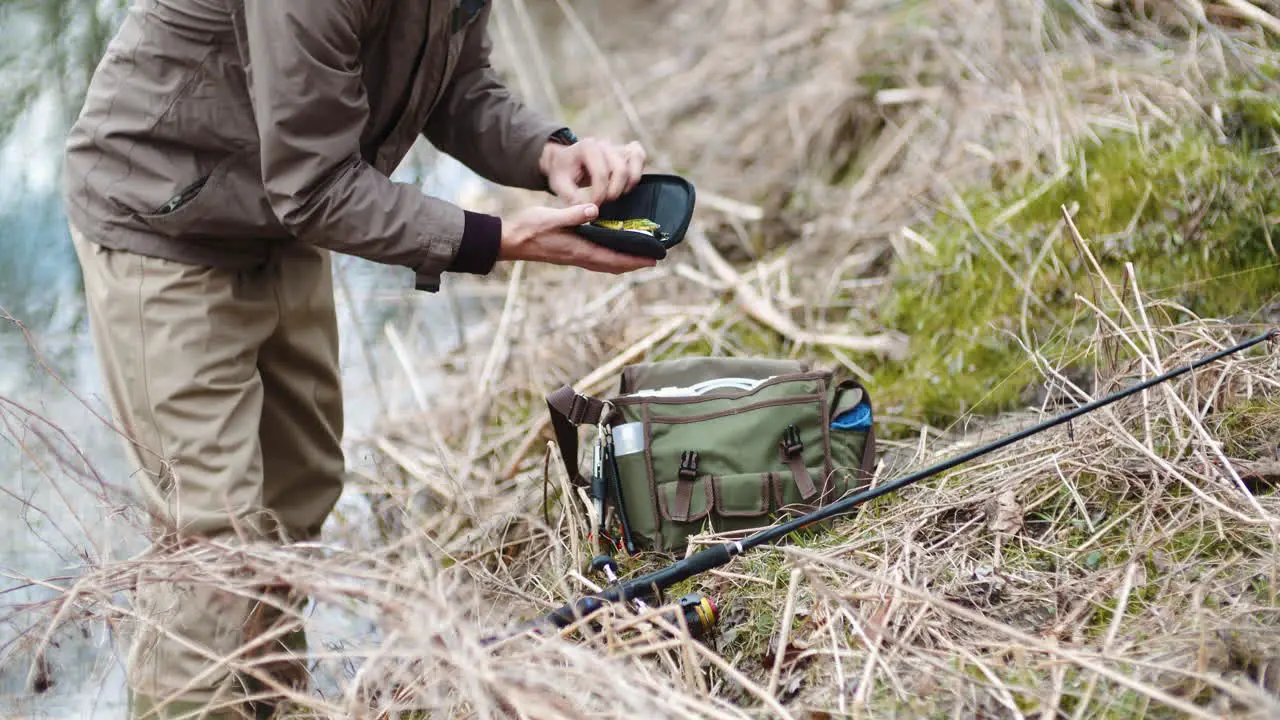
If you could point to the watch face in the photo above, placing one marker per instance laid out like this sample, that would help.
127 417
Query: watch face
565 137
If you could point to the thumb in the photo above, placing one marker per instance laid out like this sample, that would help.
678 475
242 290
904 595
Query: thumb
570 216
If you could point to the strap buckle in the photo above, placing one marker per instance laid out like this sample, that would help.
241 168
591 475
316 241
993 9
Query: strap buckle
578 409
583 409
689 465
791 444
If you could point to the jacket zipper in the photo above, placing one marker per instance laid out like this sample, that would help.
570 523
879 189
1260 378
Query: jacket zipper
183 197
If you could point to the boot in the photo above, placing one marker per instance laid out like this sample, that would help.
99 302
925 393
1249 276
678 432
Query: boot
292 672
142 707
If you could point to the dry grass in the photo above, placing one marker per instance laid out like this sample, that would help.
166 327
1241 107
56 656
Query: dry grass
1126 565
992 590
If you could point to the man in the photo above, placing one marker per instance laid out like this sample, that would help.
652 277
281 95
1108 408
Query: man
225 148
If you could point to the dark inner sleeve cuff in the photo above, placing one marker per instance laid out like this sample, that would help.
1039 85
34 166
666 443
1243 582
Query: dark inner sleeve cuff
481 242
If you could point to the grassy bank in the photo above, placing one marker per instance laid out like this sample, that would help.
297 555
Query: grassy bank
1113 569
986 211
1184 214
918 238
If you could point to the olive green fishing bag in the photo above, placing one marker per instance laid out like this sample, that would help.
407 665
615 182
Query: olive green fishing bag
715 445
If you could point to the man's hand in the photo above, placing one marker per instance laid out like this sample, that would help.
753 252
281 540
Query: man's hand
592 171
542 234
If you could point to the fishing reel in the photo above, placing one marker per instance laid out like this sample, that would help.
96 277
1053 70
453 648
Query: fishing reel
698 611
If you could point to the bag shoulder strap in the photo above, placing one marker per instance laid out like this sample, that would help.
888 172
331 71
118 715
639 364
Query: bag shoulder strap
569 410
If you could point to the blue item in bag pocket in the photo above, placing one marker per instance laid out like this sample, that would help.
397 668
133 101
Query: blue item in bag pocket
856 418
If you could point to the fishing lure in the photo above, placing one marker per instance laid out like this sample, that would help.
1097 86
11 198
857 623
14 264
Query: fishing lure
637 225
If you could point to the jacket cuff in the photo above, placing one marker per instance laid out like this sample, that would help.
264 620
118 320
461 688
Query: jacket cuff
441 241
481 242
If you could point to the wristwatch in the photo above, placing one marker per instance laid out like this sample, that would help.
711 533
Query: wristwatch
564 136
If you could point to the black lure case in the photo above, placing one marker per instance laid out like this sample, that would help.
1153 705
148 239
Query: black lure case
667 200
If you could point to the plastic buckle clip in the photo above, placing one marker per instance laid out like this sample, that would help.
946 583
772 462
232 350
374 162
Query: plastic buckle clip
791 444
688 465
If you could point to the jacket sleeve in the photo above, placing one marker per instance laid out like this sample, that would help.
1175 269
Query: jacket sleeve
310 107
481 123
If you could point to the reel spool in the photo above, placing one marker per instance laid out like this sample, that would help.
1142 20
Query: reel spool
700 614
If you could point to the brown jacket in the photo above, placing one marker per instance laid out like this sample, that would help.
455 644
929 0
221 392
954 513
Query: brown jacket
213 128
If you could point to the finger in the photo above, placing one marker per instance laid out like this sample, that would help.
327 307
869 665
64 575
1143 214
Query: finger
635 165
624 264
638 149
593 159
563 182
569 248
567 217
561 187
619 174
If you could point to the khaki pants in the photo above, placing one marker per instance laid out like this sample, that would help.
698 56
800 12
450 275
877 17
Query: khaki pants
226 385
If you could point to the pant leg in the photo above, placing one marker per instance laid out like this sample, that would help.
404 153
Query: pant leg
302 414
179 346
301 431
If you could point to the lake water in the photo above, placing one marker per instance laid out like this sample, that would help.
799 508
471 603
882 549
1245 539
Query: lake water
49 515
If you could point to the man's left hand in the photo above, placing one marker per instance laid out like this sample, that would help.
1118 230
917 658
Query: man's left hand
591 170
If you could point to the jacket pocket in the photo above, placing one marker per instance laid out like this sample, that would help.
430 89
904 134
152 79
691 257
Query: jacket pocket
204 207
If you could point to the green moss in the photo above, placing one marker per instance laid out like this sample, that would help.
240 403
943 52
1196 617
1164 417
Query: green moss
1194 216
1206 545
1100 620
1251 109
1030 689
746 337
1248 429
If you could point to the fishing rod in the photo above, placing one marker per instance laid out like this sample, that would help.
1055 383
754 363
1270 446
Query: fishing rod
652 584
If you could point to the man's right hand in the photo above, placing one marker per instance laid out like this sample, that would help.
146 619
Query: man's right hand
544 234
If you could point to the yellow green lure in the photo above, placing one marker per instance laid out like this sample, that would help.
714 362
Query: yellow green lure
640 225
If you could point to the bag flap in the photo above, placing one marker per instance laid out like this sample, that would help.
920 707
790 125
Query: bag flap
692 370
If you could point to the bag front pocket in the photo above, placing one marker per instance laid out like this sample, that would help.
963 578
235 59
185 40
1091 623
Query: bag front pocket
715 504
790 501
